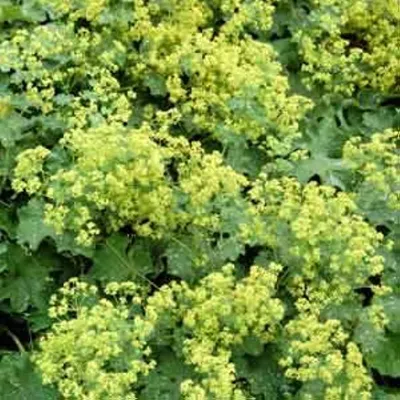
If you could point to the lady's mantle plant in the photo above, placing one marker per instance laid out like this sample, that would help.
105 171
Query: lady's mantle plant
178 220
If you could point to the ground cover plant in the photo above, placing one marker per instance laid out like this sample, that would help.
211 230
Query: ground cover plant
199 199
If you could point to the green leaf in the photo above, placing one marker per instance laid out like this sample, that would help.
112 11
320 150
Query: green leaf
252 346
385 395
190 255
7 223
331 171
228 249
348 311
12 129
25 282
115 260
287 51
156 84
163 383
7 162
232 215
67 243
181 258
386 356
379 120
391 306
243 158
19 380
262 374
322 136
32 229
39 320
29 11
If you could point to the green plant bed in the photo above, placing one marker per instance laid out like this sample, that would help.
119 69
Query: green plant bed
199 199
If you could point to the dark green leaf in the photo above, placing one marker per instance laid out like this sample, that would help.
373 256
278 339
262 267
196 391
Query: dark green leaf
7 223
253 346
19 381
164 381
25 282
262 374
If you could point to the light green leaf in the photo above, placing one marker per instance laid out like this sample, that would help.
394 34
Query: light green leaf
181 256
156 84
243 158
391 306
386 356
32 229
380 119
12 129
115 260
331 171
229 249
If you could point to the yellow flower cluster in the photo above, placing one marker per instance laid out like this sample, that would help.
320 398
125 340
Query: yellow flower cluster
97 349
218 314
77 56
88 9
378 164
320 351
29 169
27 53
133 84
203 178
223 82
121 174
327 247
114 170
216 83
348 44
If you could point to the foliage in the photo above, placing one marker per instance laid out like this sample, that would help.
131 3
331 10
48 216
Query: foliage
199 199
357 38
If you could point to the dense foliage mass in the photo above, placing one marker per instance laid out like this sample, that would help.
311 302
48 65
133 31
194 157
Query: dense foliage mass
199 199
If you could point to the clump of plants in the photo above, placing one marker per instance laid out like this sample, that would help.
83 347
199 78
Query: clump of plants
199 200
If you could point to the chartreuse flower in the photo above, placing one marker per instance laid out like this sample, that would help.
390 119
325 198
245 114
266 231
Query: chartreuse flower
119 144
377 165
329 250
218 315
347 44
95 350
122 175
100 347
321 355
28 170
222 82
